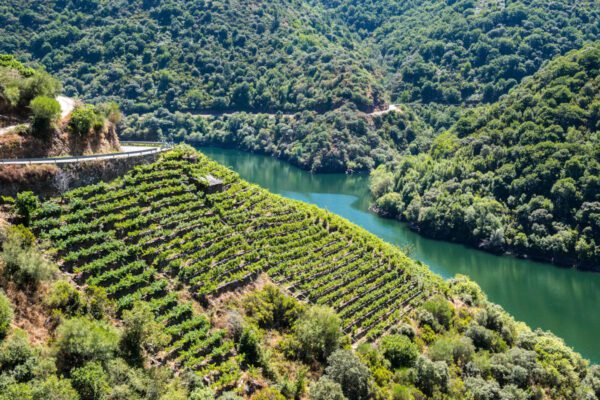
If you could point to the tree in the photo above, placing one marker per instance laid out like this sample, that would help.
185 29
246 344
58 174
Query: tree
399 350
85 118
432 376
91 381
6 314
45 112
26 203
80 340
325 389
318 333
350 373
54 388
141 333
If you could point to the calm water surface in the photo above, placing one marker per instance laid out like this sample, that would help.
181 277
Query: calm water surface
563 301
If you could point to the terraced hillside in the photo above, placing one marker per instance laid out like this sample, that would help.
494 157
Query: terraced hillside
187 226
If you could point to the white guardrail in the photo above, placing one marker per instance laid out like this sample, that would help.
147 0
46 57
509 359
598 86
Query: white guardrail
77 159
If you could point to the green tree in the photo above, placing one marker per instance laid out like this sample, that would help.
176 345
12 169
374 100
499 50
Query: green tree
80 340
345 368
85 118
45 112
399 350
6 314
325 389
318 333
26 203
141 333
91 381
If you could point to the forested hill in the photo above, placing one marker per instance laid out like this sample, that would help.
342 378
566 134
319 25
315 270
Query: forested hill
522 175
194 55
467 51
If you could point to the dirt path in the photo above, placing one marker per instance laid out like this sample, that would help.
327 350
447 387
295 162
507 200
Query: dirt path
67 105
391 107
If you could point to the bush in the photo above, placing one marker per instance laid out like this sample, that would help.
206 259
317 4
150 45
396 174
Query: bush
91 381
141 333
318 333
350 373
17 357
23 262
80 340
54 388
45 112
325 389
66 298
272 309
441 309
25 204
84 119
6 314
399 350
249 347
432 376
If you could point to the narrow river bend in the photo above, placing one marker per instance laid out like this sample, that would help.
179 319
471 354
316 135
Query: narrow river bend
564 301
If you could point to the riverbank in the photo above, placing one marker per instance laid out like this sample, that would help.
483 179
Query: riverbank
561 300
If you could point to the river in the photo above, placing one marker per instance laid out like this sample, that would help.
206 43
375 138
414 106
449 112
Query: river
564 301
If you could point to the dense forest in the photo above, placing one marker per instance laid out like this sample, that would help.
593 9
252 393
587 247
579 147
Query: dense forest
522 175
114 300
160 59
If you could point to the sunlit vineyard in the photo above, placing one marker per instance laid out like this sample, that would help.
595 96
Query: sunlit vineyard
162 233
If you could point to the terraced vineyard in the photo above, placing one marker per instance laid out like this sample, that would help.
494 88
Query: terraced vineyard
162 233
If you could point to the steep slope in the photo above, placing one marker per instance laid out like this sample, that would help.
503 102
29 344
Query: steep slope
189 239
194 55
520 176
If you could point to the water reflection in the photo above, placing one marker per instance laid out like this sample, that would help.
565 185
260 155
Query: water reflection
563 301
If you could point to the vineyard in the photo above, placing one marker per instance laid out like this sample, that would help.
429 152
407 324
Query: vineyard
164 232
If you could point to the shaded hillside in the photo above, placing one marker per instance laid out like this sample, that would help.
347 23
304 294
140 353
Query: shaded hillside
199 259
519 176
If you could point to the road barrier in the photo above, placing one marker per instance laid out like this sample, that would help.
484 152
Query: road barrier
78 159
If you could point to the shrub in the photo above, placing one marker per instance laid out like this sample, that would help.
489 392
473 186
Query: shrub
54 388
459 350
399 350
272 309
432 376
91 381
45 112
441 309
268 394
325 389
141 333
249 346
23 262
318 333
25 204
6 314
17 357
80 340
66 298
350 373
84 119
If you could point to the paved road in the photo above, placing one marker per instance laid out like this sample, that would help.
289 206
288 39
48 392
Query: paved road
127 152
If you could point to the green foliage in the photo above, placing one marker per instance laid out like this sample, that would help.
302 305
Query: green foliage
65 297
441 310
91 381
45 112
86 118
318 333
142 334
54 388
6 314
272 309
325 389
80 340
524 174
24 263
350 373
399 350
249 347
26 203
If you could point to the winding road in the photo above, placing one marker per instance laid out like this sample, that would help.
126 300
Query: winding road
67 104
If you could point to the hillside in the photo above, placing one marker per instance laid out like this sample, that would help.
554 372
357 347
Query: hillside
465 52
520 176
208 274
36 122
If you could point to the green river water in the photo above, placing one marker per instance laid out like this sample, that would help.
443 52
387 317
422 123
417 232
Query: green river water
564 301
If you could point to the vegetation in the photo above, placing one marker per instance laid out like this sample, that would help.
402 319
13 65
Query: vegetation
182 264
519 176
45 112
